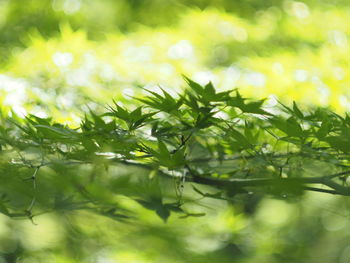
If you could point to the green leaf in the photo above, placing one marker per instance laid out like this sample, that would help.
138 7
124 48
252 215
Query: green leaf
290 126
324 129
166 103
3 209
156 205
297 111
241 140
197 88
56 132
163 212
252 107
163 150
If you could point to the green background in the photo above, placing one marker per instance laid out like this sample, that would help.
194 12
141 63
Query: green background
59 58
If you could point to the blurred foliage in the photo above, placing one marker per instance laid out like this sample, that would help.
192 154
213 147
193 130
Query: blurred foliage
132 167
287 50
67 58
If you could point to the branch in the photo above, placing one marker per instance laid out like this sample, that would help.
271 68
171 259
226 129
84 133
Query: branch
320 190
300 182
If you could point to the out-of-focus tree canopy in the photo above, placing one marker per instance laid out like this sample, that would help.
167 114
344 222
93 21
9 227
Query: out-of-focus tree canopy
286 49
64 59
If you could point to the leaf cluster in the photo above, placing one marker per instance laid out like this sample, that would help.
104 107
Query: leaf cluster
202 137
